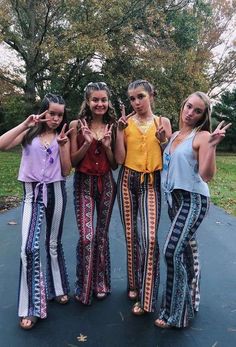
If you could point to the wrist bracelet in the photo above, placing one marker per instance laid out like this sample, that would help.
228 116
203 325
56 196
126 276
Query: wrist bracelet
164 142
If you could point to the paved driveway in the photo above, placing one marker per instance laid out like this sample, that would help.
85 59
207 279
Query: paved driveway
109 323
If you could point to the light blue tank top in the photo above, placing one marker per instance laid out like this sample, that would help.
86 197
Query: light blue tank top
180 169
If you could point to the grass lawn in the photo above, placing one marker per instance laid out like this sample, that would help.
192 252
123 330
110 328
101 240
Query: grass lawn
222 187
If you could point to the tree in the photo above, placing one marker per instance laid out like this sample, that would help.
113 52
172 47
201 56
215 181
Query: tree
225 110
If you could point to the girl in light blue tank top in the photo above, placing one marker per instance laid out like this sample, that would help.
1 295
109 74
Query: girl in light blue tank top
188 164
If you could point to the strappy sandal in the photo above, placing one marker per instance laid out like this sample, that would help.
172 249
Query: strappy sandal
137 310
160 323
132 294
62 299
33 320
101 296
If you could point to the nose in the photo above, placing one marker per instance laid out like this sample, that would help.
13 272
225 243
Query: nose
100 103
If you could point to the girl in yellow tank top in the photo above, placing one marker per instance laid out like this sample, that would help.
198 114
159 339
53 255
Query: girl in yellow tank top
138 149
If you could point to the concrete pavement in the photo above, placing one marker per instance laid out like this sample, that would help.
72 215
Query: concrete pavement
110 323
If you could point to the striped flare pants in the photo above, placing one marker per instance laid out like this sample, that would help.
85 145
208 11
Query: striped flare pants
182 295
33 291
143 199
93 253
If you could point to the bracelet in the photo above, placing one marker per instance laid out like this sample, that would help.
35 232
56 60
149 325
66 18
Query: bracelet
163 142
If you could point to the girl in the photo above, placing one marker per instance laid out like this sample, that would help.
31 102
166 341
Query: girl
45 163
92 156
189 162
138 149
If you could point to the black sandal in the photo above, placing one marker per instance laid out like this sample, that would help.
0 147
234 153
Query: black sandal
33 320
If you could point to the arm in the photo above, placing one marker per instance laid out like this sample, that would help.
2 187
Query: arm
120 150
107 142
206 156
15 136
205 144
76 153
164 130
64 150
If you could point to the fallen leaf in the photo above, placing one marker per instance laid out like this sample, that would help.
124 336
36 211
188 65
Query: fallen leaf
12 222
82 338
231 329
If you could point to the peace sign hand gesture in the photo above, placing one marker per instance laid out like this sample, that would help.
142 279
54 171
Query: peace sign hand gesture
160 131
86 132
106 140
63 138
122 121
218 134
35 119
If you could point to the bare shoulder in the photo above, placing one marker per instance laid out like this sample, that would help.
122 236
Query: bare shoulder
201 138
73 123
165 120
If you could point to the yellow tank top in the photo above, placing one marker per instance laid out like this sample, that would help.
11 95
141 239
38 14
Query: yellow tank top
143 150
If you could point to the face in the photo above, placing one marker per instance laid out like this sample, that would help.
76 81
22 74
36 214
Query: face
193 110
55 115
140 100
98 102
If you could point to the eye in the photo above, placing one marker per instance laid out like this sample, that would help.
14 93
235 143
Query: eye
141 96
131 98
199 111
104 100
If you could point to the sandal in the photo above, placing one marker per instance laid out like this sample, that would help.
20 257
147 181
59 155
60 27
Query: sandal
132 294
32 319
138 310
62 299
101 296
160 323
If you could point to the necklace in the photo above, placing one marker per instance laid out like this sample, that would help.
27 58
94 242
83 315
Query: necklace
143 123
98 132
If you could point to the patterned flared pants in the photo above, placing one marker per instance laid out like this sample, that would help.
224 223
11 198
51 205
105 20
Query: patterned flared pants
93 254
182 294
144 199
32 289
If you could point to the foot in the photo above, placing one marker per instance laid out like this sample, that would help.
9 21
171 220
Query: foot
62 299
133 294
162 324
28 322
137 310
101 296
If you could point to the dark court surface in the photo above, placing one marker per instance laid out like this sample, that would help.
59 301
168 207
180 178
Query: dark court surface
110 323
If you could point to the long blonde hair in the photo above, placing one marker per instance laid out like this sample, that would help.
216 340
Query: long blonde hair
205 122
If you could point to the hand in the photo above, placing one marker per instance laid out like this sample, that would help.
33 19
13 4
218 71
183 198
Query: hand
35 119
160 131
62 138
106 140
86 132
218 134
122 121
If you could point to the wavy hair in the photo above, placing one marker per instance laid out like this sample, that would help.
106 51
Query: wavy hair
109 117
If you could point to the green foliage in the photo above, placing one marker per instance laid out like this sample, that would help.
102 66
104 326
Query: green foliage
225 110
14 110
9 186
222 187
